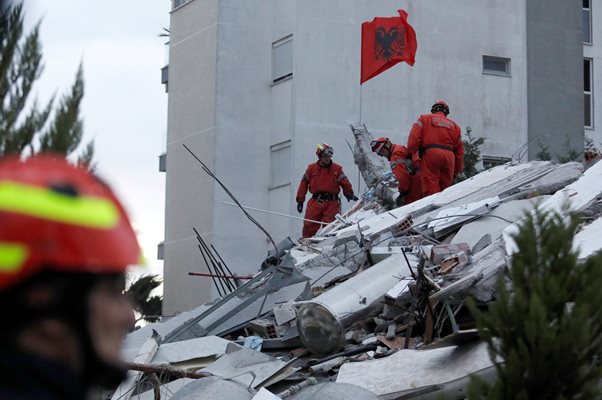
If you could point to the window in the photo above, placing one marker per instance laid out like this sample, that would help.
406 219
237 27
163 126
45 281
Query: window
163 162
161 251
280 165
496 65
588 97
587 22
165 76
282 59
178 3
494 161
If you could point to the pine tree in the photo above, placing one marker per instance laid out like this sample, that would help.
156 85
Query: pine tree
149 307
24 127
548 327
472 154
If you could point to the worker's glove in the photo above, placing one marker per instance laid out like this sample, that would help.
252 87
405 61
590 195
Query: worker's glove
459 177
351 196
400 200
300 207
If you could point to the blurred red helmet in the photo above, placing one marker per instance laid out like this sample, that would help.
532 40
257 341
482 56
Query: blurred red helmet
56 216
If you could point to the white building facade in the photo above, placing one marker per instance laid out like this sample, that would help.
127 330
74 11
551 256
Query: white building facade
254 85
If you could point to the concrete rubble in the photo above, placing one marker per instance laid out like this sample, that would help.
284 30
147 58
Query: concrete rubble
373 306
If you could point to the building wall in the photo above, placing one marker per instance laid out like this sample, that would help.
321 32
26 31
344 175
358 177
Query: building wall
227 107
191 121
555 76
252 115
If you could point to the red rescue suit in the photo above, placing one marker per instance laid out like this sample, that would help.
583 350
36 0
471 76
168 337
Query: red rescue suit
439 141
323 183
409 183
415 192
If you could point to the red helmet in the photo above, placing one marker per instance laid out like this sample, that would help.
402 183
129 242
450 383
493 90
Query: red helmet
324 149
378 143
440 105
55 216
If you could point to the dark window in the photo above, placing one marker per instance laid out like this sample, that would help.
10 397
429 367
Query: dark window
587 22
163 162
496 65
588 101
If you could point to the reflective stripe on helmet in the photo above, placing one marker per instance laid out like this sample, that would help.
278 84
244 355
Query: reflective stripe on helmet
12 256
40 202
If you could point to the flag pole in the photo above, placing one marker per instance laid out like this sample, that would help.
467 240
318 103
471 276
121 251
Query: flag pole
361 102
358 170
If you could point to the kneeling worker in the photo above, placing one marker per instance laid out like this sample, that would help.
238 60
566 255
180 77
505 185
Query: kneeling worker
405 169
323 179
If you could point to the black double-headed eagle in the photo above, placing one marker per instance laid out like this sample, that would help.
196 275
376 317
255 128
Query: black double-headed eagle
389 43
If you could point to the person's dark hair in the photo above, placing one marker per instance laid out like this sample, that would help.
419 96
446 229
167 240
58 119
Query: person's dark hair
62 296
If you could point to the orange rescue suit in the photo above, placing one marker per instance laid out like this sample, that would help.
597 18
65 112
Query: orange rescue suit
323 183
409 184
439 141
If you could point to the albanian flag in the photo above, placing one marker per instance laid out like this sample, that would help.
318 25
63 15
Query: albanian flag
385 42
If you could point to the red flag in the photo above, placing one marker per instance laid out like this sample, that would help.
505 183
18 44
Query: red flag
385 42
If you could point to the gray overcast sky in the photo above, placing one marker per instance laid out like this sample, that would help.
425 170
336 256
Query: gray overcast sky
125 105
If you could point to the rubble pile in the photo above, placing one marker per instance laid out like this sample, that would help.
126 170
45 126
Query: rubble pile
371 307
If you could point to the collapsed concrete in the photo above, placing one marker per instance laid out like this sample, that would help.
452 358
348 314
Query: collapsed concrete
384 287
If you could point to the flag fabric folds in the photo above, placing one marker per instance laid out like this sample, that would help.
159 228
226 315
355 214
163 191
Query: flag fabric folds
386 41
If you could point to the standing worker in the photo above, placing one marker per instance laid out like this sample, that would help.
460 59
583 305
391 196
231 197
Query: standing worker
438 140
403 167
323 180
65 242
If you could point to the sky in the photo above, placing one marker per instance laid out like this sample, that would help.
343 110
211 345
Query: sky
124 108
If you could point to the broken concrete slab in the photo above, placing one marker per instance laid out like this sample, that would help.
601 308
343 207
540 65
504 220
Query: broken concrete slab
477 279
205 349
495 221
214 388
574 197
416 371
248 367
587 241
321 321
334 391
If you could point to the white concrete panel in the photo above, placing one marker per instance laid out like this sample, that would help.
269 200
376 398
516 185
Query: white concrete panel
281 201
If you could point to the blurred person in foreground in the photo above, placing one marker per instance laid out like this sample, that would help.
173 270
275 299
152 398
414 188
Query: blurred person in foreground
65 242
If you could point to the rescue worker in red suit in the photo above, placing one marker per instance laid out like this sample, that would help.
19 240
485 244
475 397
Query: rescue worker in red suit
323 179
405 169
438 140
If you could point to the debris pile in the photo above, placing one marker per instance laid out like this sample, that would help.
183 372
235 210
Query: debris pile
373 306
